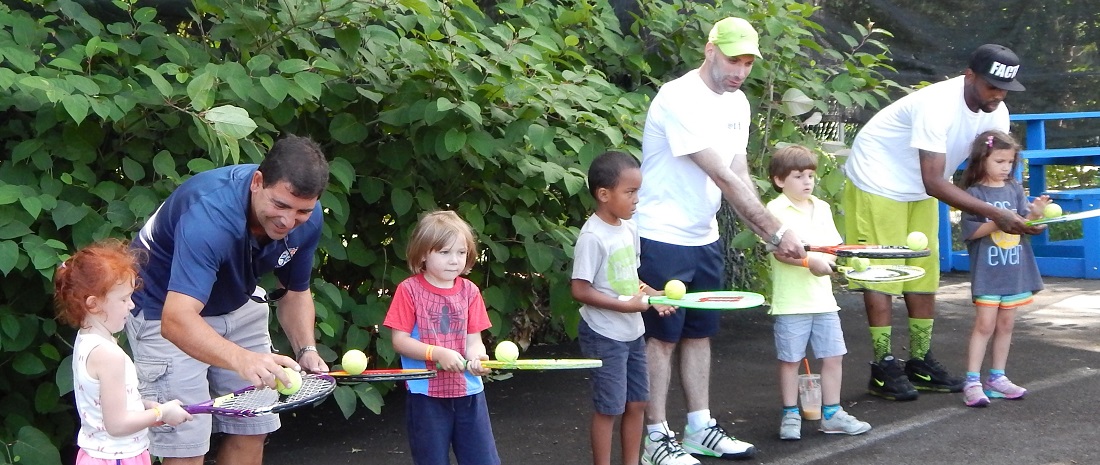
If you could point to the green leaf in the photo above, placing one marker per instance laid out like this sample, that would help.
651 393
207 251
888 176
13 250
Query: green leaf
32 446
343 171
370 397
346 129
401 200
231 121
13 229
276 86
77 106
64 378
67 214
26 363
293 65
132 169
201 90
346 399
311 83
795 102
9 256
165 165
46 397
10 194
161 84
32 205
455 139
540 255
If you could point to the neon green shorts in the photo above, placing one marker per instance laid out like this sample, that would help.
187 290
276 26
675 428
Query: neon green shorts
873 219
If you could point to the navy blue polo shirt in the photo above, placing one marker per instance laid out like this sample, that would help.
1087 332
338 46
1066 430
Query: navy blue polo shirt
198 245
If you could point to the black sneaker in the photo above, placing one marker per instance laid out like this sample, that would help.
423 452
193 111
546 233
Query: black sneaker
889 382
930 375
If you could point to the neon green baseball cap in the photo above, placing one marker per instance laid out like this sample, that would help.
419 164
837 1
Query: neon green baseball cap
735 37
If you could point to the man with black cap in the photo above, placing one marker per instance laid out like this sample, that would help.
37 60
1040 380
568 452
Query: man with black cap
900 164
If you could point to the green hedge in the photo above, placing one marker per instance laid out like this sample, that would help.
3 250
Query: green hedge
420 105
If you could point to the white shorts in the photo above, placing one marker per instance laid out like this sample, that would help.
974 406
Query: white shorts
821 330
166 373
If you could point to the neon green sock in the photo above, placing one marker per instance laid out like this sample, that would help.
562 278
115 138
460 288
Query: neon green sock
920 337
880 341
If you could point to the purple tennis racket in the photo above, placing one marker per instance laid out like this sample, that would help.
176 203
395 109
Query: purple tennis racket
252 402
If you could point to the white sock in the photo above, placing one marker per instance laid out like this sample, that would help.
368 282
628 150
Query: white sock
661 427
698 420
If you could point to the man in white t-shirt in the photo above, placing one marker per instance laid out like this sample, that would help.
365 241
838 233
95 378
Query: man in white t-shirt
901 163
694 153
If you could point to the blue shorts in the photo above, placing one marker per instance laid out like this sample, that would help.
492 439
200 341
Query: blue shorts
821 330
701 268
436 425
622 378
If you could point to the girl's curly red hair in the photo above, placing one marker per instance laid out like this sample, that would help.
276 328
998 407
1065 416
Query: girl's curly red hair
92 271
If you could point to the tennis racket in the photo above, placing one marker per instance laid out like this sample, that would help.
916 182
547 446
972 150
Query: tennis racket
881 273
717 300
870 251
543 364
252 402
1065 218
377 376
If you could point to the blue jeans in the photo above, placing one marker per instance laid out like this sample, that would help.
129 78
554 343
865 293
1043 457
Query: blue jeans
435 425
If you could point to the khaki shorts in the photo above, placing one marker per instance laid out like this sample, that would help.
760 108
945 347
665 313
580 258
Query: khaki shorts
873 219
166 373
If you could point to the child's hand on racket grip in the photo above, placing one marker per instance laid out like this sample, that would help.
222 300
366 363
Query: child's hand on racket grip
473 365
447 359
172 413
820 266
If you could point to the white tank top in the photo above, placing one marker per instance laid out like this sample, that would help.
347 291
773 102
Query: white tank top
93 436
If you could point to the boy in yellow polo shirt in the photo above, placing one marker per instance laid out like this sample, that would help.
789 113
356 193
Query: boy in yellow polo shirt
803 304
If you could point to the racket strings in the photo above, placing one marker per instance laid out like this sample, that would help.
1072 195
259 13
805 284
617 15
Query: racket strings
262 400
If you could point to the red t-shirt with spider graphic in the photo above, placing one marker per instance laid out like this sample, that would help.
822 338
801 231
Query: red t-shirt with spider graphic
440 317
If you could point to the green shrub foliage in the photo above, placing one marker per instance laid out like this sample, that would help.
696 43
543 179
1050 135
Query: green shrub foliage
494 111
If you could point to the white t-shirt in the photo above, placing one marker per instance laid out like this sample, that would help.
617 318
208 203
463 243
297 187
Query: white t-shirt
678 201
884 159
93 436
607 256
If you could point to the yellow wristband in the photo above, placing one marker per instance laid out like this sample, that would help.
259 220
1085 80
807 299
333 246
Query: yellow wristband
806 262
156 409
428 353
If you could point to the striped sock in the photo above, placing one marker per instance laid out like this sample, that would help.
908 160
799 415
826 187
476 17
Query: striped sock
995 374
973 377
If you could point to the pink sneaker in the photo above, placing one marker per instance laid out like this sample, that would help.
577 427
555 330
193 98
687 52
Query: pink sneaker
1002 388
974 396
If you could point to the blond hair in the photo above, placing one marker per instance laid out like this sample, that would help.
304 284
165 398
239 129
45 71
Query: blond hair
435 231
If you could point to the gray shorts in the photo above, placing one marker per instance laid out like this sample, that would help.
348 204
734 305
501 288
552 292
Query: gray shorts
821 330
167 373
622 378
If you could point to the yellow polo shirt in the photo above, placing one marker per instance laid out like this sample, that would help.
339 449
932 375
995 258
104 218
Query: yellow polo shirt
794 289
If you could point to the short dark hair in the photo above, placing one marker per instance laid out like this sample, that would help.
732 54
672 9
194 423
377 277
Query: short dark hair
787 159
298 161
606 168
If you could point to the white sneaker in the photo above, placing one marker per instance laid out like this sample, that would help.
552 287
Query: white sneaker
791 427
662 449
842 423
713 441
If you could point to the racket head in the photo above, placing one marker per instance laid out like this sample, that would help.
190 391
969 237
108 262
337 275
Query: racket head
377 376
884 273
543 364
875 251
715 300
252 402
1065 218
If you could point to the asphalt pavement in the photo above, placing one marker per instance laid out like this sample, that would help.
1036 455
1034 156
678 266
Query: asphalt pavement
542 417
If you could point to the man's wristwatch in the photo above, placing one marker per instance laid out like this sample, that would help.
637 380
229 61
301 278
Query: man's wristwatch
778 236
305 349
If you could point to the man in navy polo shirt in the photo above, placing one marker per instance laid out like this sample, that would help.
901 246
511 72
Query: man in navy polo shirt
200 324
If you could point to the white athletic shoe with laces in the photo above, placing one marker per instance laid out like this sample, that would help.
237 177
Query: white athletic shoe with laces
713 441
663 449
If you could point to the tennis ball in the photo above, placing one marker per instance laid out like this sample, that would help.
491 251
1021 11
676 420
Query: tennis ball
354 362
295 382
917 241
506 351
860 263
675 289
1052 210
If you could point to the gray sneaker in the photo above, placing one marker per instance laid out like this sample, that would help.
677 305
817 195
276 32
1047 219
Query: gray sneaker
791 427
842 423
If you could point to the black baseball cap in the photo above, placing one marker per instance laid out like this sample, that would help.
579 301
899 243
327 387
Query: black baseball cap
997 65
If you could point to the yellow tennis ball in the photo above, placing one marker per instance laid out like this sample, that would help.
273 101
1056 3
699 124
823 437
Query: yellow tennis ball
675 289
295 382
506 351
1052 210
917 241
354 361
860 263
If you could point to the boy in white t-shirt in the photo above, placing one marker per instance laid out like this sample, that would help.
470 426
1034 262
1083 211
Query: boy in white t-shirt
803 304
605 266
